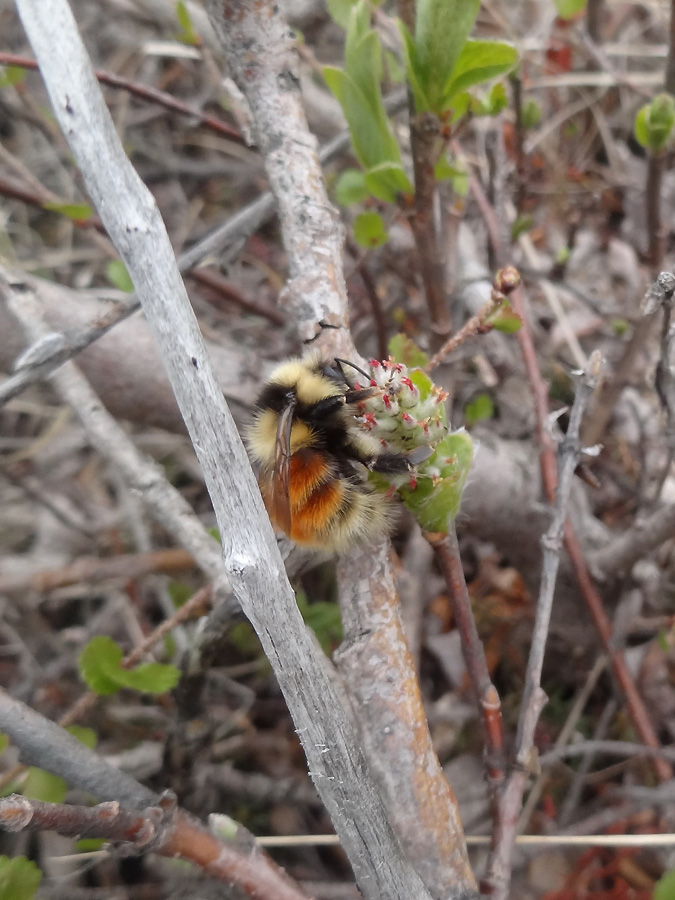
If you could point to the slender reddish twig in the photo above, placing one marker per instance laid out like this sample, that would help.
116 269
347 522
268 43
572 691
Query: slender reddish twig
210 279
94 569
143 91
203 276
506 281
164 829
446 548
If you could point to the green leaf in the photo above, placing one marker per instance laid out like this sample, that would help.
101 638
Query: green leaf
42 785
496 100
86 736
619 326
187 35
12 75
568 9
413 69
89 845
505 320
436 498
654 123
324 620
386 181
404 350
19 878
369 230
480 408
531 114
351 187
441 30
116 273
358 91
100 668
339 11
522 224
4 742
395 69
78 212
457 174
479 61
372 140
180 593
152 678
664 889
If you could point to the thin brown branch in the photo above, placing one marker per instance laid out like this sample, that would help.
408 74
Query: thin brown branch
94 570
634 702
424 143
656 234
506 281
143 92
163 829
225 289
446 549
424 133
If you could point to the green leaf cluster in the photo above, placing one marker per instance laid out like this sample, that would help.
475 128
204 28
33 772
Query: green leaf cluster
436 498
654 123
441 62
100 667
357 88
435 493
19 878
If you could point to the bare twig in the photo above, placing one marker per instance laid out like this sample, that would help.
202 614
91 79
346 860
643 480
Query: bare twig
446 548
162 500
506 281
109 821
144 92
94 569
570 453
498 876
656 235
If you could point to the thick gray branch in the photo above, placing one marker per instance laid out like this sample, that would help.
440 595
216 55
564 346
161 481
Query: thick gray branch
250 551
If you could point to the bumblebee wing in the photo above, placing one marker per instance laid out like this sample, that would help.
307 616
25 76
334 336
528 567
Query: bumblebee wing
281 504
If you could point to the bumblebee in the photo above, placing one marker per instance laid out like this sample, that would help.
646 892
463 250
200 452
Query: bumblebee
314 457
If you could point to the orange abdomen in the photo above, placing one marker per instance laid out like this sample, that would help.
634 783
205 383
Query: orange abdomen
316 495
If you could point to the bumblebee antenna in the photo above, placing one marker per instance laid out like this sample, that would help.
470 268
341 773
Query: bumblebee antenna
352 365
